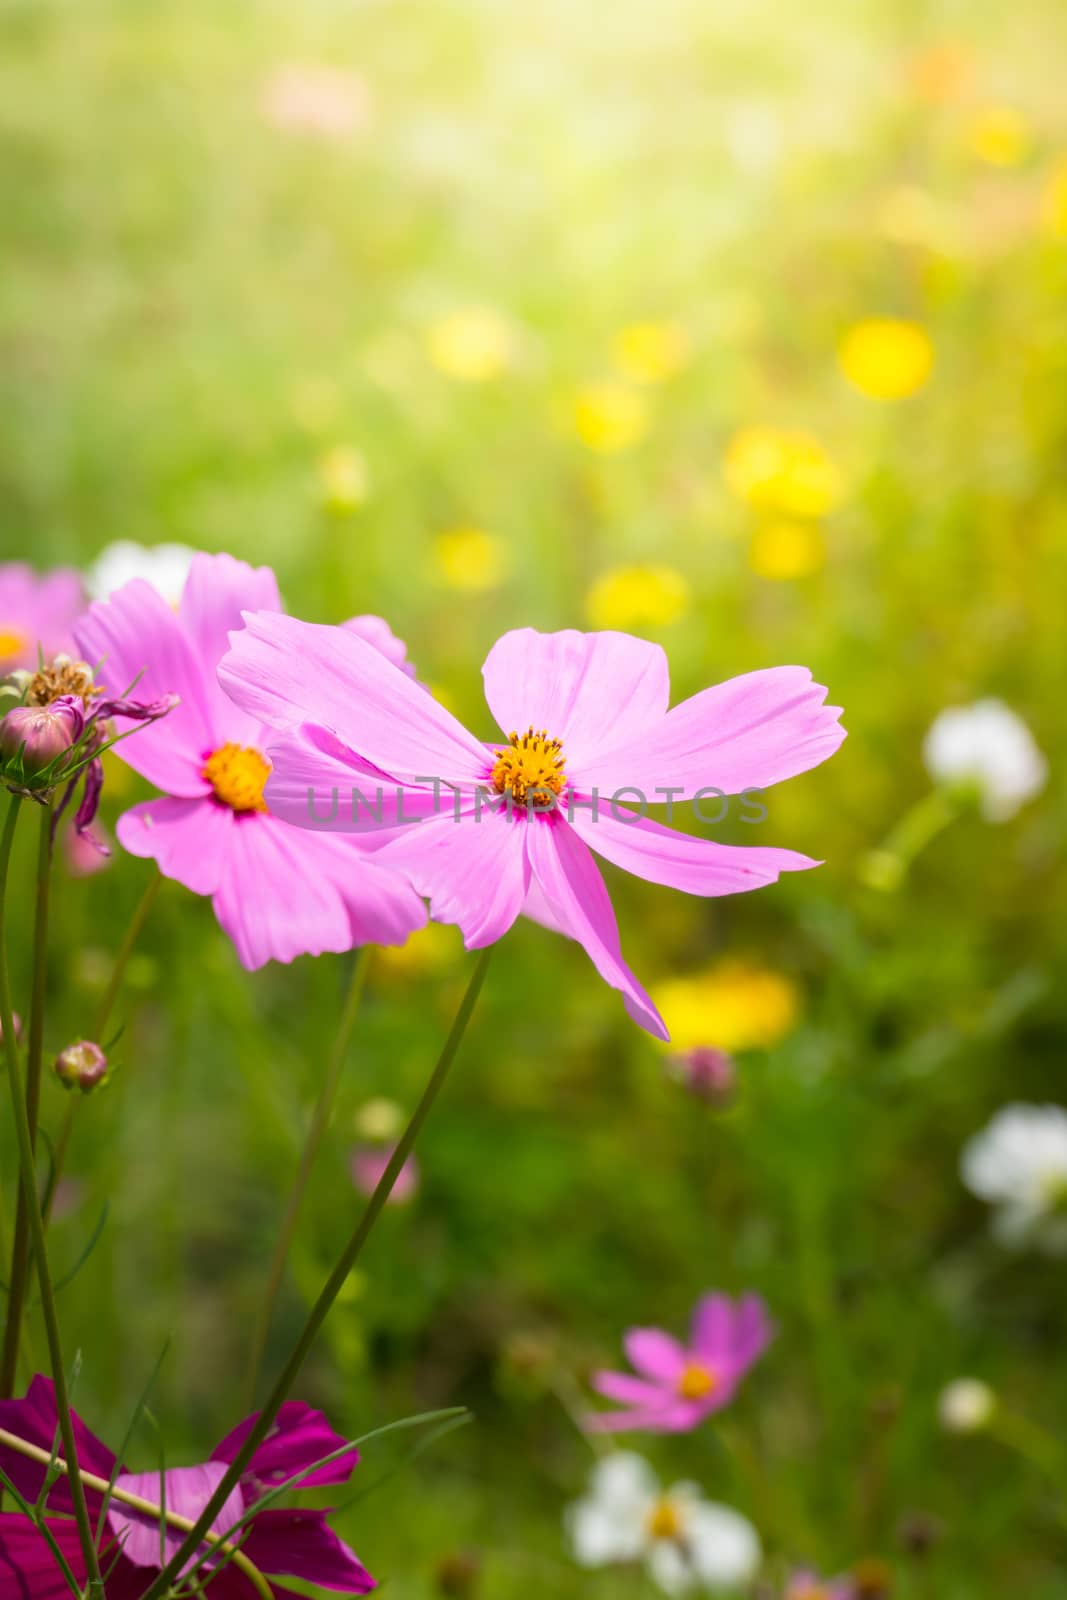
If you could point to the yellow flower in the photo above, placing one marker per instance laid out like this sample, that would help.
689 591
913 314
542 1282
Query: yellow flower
1055 206
786 550
472 346
609 417
651 352
343 480
432 949
1000 136
470 559
734 1006
779 469
886 358
632 597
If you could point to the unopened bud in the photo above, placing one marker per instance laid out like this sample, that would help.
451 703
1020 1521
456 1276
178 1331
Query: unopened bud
17 1027
81 1066
706 1072
41 733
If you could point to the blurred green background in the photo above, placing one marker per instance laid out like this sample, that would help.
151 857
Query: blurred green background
481 316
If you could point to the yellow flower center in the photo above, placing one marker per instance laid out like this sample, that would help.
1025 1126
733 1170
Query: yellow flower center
664 1521
695 1382
238 775
531 762
12 643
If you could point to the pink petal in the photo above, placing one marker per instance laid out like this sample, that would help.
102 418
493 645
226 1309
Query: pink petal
28 1568
681 860
188 838
711 1333
135 631
299 1437
593 691
575 891
318 784
474 872
285 672
747 733
655 1354
217 590
35 1419
629 1391
270 905
377 632
676 1418
187 1491
753 1330
300 1544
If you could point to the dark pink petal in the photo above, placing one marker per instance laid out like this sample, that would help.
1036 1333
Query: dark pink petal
217 590
300 1544
28 1567
187 1491
285 672
747 733
188 838
136 632
681 860
300 1437
594 691
35 1420
575 891
269 904
655 1354
474 872
318 784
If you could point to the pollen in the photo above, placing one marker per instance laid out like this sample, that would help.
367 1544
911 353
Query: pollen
695 1382
237 774
530 765
664 1521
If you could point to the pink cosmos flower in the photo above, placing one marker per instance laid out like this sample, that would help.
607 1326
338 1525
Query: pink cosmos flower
595 707
368 1165
679 1385
36 612
278 892
297 1544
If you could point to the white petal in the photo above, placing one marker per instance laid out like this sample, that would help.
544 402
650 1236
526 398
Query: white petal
623 1480
598 1535
724 1545
669 1567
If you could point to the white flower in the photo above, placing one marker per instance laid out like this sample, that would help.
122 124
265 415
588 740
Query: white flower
986 745
965 1405
164 566
685 1541
1019 1164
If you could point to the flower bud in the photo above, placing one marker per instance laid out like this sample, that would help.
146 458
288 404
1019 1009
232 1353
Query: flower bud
708 1073
41 733
81 1066
17 1020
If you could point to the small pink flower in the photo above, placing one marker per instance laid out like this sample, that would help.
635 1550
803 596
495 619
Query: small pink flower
679 1385
368 1165
708 1073
37 613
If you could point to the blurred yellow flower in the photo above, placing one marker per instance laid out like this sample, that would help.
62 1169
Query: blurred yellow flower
1055 204
1000 136
432 949
651 352
343 479
734 1006
632 597
778 469
472 345
470 559
886 358
782 550
609 417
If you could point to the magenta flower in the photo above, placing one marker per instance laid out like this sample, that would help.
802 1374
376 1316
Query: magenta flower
509 826
277 892
285 1543
679 1385
368 1164
37 613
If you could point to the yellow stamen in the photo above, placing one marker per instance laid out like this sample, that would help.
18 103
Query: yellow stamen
696 1382
238 775
531 762
12 643
664 1522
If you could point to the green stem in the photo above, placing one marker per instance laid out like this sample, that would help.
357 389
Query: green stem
331 1289
111 993
320 1121
9 1359
28 1171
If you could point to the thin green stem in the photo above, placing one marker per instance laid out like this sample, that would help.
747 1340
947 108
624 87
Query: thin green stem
107 1003
28 1172
320 1121
331 1289
9 1359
